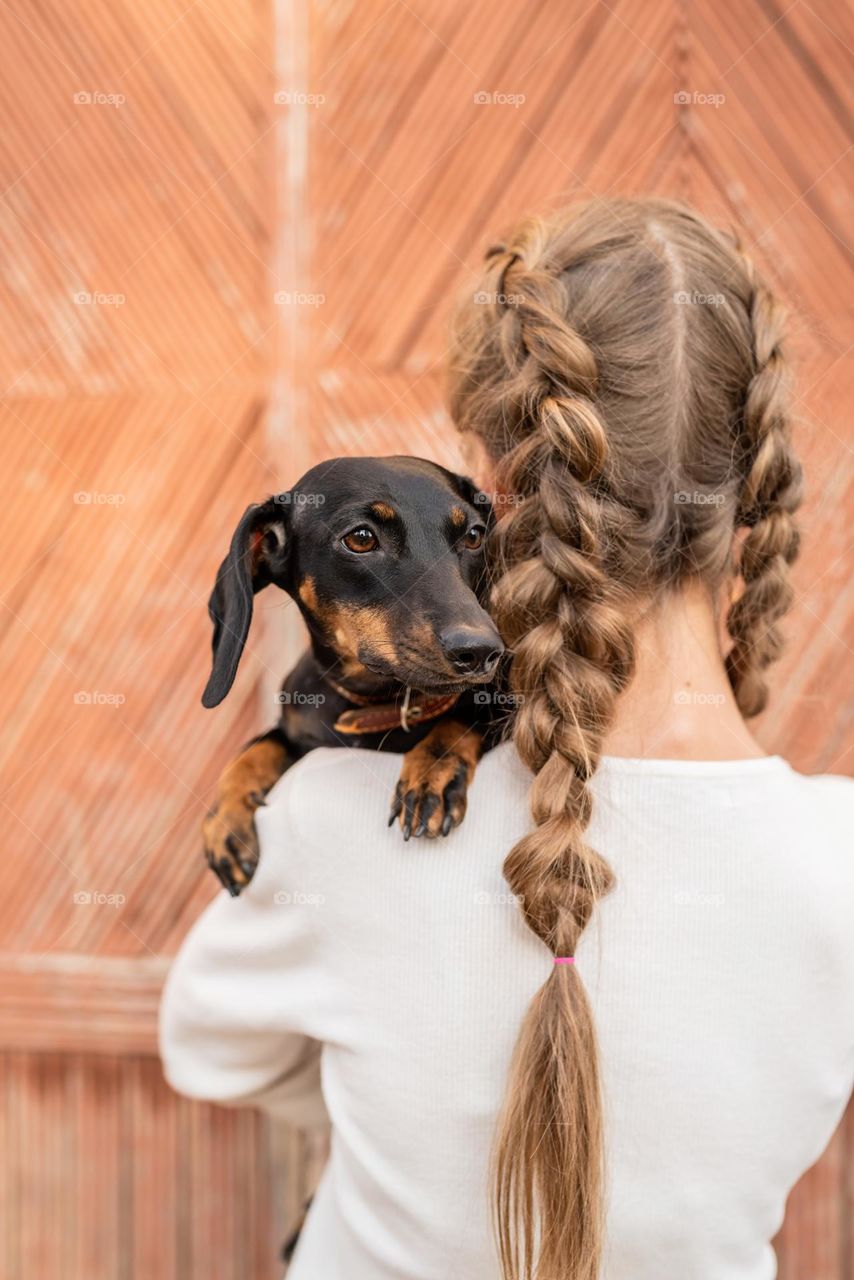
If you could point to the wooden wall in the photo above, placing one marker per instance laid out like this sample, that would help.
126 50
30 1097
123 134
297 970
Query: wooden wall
229 240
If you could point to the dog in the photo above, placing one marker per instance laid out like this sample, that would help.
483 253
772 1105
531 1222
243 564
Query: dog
385 558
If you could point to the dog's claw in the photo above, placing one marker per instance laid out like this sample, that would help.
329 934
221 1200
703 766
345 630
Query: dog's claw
430 804
396 806
231 845
223 874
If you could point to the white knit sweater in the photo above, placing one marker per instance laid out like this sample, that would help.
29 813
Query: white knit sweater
394 977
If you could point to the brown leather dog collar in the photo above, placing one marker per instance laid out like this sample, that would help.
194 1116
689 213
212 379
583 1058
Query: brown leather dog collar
380 717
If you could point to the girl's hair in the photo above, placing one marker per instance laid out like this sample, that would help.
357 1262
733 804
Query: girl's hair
622 365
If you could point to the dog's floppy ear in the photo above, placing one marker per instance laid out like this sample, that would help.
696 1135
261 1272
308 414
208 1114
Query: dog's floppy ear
258 556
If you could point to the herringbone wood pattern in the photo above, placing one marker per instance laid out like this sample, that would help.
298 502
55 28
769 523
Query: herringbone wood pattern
207 287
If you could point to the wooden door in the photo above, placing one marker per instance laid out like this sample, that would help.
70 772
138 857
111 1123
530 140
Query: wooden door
230 239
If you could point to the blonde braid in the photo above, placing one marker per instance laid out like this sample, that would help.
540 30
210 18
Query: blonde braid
621 365
770 495
559 609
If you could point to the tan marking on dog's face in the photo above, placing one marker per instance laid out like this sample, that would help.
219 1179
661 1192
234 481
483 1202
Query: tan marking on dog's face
362 632
459 519
367 626
336 624
422 635
358 628
383 511
308 594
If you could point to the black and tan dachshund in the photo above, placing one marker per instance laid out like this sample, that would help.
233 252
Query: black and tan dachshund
385 558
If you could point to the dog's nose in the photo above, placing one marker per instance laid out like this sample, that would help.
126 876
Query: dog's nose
471 651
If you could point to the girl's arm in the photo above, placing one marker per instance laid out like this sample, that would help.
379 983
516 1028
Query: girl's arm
236 1014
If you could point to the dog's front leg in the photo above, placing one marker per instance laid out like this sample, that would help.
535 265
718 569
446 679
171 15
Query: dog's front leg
230 838
430 798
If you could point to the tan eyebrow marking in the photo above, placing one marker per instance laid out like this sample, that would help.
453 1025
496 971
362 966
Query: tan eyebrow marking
383 511
458 517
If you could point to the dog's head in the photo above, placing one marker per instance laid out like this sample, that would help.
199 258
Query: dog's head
385 558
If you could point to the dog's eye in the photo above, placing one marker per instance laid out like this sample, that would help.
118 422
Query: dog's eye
361 539
474 537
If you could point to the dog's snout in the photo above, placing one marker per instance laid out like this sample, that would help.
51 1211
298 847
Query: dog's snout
470 650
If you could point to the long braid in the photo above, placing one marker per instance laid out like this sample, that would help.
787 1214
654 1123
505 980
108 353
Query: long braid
567 669
770 496
621 364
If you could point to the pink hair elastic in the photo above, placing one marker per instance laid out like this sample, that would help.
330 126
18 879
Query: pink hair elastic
564 959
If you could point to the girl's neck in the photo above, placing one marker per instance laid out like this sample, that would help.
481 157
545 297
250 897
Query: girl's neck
680 706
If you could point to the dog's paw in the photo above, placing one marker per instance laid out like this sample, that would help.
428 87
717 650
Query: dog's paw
430 798
231 841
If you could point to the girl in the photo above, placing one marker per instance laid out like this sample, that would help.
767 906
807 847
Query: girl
670 891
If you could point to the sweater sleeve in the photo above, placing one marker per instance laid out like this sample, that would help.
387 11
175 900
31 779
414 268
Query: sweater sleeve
237 1008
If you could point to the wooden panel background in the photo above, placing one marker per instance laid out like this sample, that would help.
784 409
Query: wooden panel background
229 242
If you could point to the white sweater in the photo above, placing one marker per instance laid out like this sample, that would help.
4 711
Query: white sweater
395 977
